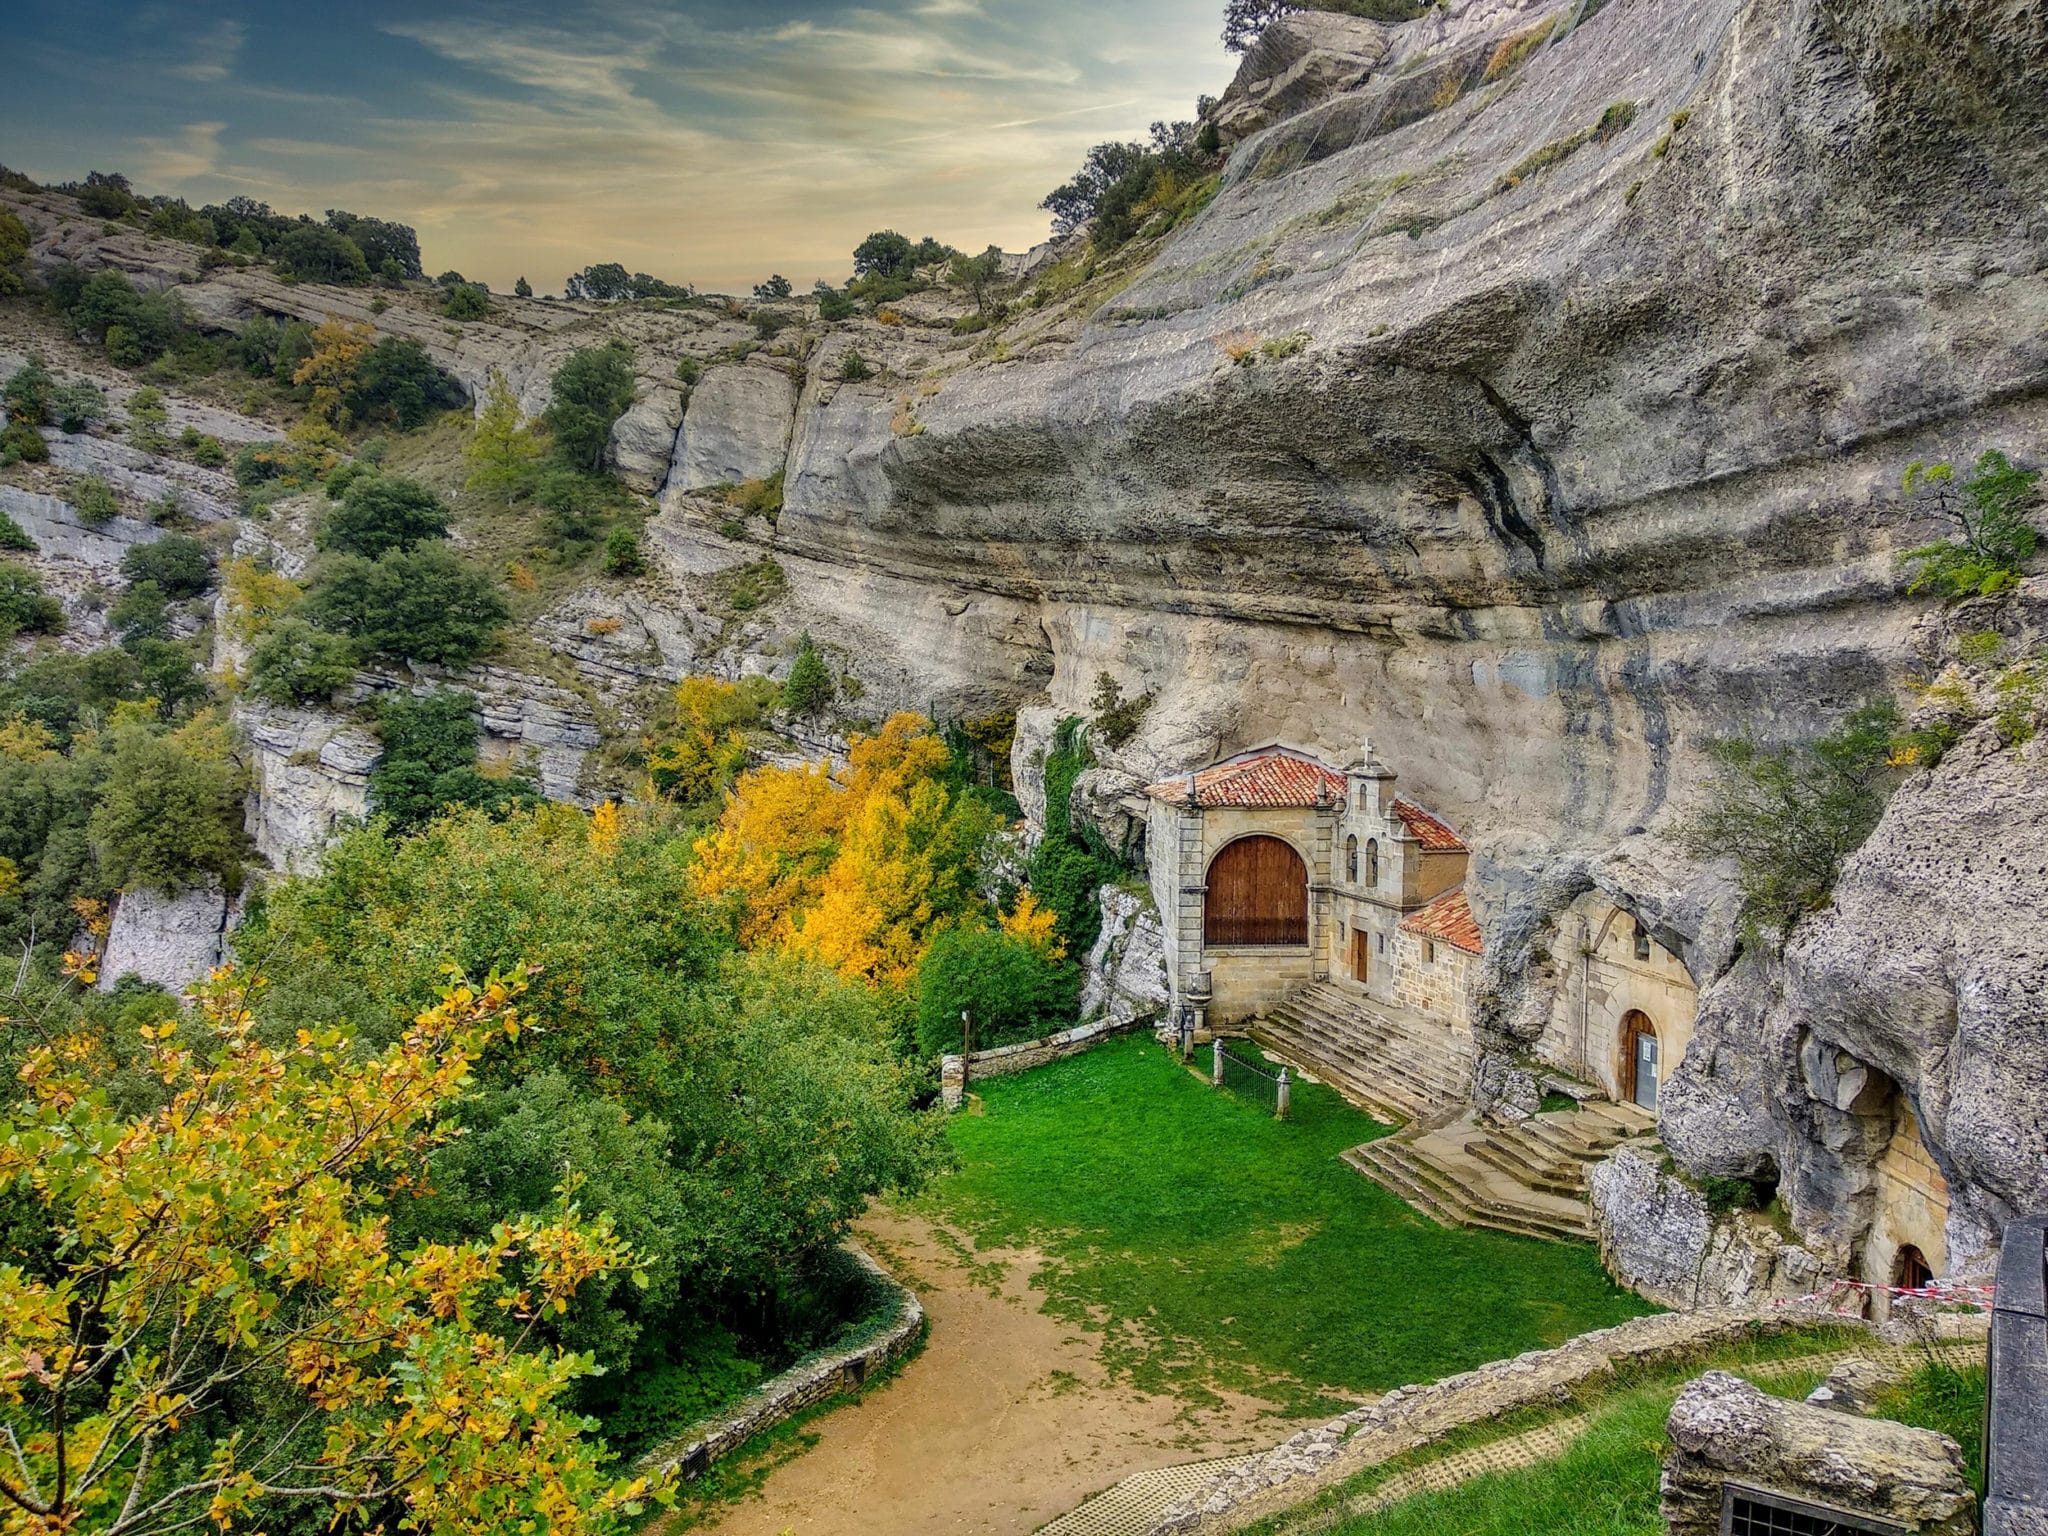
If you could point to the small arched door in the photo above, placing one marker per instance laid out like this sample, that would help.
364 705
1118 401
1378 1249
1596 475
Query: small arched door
1910 1270
1641 1067
1258 896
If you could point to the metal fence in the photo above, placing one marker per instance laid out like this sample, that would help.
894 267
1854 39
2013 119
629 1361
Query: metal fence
1251 1080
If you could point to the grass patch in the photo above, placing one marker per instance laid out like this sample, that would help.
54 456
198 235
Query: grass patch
1605 1485
1217 1248
1940 1396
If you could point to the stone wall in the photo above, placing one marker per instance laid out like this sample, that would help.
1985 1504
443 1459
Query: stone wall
1600 980
803 1385
957 1073
1439 986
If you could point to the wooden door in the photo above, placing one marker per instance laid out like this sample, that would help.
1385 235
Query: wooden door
1361 949
1258 896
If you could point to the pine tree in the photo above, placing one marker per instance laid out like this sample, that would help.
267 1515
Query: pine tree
523 288
809 687
500 450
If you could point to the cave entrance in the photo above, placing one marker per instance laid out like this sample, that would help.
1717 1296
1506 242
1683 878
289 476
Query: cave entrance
1258 896
1910 1270
1639 1059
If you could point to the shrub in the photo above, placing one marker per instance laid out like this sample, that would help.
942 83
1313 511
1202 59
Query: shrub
24 608
575 504
397 381
770 323
316 255
77 406
28 393
591 391
178 563
834 304
21 443
208 453
622 555
808 690
853 367
1011 988
522 288
94 502
423 604
14 537
1117 718
379 513
1990 510
1790 815
466 301
297 664
141 613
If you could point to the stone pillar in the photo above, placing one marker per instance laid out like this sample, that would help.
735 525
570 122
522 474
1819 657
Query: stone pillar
1283 1096
1216 1063
952 1081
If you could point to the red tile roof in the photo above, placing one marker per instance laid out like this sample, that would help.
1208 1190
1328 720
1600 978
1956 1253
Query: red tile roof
1427 830
1449 921
1274 777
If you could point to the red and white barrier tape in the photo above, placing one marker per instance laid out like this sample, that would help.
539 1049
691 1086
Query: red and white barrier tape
1978 1296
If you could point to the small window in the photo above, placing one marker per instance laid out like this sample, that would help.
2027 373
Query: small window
1429 952
1351 860
1642 942
1763 1512
1372 862
1383 943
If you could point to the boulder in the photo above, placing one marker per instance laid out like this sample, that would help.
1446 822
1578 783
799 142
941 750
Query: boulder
1723 1430
736 427
644 439
1301 59
1124 975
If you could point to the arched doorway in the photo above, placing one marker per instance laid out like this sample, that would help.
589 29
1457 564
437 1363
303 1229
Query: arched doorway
1910 1270
1258 895
1641 1068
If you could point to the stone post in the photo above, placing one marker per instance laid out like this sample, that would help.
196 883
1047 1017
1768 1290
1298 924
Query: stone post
1216 1066
1282 1096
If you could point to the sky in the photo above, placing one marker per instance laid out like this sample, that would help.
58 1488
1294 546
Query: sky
704 141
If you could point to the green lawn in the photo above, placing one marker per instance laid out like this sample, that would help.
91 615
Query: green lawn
1218 1248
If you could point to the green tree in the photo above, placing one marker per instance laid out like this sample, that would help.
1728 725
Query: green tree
809 689
591 391
141 613
316 255
977 274
379 513
429 764
1990 510
775 289
423 604
29 393
21 443
500 453
14 538
1011 988
885 254
179 564
170 812
522 288
297 664
622 554
77 406
25 609
1790 815
397 381
14 247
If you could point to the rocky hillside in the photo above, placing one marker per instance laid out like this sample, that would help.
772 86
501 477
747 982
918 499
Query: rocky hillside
1532 397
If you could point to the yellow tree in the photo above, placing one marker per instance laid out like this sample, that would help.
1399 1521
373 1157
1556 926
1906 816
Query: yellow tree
708 748
225 1255
500 450
771 848
338 349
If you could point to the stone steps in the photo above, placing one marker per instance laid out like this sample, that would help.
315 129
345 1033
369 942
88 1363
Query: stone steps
1396 1068
1457 1190
1552 1152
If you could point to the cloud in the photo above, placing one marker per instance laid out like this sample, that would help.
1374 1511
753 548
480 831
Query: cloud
214 55
194 153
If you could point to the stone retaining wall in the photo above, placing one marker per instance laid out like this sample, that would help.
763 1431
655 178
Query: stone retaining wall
1413 1416
956 1072
803 1385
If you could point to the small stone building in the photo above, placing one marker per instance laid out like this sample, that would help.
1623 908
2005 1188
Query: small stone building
1624 1006
1273 871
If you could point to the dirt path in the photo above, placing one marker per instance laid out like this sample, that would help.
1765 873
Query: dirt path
1004 1420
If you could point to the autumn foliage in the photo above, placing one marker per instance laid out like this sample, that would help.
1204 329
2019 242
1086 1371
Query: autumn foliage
232 1240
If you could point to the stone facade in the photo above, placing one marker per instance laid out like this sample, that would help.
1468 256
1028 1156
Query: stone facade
1611 967
1374 865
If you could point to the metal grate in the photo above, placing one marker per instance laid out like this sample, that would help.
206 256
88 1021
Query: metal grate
1250 1081
1758 1512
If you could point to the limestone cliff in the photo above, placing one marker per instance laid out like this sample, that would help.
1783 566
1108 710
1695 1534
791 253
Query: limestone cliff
1531 397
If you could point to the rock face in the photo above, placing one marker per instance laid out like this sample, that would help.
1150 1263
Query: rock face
1658 1237
1299 61
1124 976
1921 983
737 427
312 772
1723 1429
170 939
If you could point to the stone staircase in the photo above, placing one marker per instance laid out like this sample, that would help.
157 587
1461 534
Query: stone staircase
1529 1179
1394 1064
